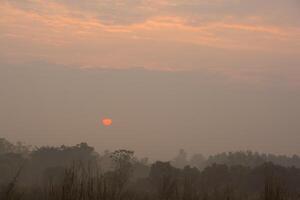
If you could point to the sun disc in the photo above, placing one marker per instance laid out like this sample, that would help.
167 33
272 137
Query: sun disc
107 122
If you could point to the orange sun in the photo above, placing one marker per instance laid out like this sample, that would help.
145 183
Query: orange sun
107 122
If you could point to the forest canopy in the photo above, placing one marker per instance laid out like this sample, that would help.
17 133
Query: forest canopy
79 172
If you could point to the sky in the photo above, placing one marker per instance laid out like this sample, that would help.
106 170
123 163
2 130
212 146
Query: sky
203 75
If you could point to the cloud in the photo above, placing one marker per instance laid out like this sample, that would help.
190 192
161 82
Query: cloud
231 36
124 12
84 17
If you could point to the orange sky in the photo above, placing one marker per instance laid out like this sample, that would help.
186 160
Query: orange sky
160 35
212 75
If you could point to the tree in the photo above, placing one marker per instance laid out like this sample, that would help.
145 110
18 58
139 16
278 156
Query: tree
5 146
198 160
8 147
180 161
164 178
123 162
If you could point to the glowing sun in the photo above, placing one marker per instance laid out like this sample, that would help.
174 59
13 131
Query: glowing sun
107 122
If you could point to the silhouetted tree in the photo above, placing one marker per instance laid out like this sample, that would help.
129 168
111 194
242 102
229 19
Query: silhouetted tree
123 166
198 160
164 177
180 161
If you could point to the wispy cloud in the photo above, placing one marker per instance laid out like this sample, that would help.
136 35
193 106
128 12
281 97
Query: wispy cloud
157 34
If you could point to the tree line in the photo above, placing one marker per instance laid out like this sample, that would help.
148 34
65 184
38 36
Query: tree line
80 173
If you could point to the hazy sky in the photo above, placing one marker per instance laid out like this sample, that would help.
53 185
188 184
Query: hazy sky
204 75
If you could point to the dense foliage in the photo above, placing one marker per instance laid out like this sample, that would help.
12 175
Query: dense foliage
79 173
